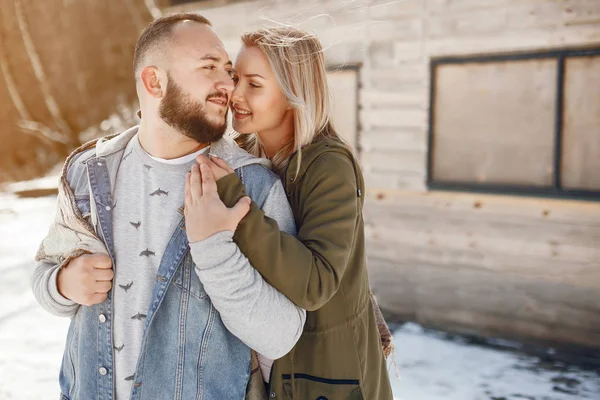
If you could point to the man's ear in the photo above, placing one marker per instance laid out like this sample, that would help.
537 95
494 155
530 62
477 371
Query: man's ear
150 77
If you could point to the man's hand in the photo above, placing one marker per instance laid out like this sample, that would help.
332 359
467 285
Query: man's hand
217 165
205 214
86 279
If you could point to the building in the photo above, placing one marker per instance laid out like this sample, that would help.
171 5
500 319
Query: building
478 127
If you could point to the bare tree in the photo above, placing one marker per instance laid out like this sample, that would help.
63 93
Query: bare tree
65 66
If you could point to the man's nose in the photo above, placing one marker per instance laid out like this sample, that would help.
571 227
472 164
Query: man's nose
225 83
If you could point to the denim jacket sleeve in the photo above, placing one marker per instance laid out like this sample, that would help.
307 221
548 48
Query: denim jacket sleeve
250 308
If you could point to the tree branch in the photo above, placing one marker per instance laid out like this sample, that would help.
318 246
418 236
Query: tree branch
44 133
39 73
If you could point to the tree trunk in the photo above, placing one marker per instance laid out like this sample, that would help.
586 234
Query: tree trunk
65 66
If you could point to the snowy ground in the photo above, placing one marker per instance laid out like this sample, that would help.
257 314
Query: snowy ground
431 365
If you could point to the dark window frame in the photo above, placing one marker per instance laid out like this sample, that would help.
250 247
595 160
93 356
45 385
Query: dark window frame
556 190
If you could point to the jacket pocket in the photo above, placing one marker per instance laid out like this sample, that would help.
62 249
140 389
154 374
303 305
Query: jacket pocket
68 371
309 387
187 279
83 204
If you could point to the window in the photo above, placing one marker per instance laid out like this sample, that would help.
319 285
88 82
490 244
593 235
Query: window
527 123
581 124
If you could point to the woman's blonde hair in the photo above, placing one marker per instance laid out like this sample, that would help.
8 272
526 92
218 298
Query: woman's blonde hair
298 63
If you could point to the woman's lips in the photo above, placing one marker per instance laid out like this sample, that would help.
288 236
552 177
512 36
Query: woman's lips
241 114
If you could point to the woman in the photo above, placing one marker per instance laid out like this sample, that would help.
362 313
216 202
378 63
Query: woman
282 111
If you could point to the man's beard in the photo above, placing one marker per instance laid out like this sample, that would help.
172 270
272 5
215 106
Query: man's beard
188 116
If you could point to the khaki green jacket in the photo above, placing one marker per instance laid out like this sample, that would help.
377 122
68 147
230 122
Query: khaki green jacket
339 355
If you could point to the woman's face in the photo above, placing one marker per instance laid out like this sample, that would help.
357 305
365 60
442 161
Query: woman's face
257 102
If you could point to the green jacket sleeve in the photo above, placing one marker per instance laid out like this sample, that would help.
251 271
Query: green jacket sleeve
308 269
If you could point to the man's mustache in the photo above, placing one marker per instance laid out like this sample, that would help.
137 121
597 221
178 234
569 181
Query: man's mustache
218 95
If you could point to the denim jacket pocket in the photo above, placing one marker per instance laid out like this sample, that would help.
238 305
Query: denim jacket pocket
187 279
83 204
68 374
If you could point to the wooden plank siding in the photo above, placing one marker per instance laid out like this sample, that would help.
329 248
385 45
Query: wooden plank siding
499 265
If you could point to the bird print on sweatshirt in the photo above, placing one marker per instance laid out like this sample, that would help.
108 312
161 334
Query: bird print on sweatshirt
147 253
136 225
126 287
159 192
139 316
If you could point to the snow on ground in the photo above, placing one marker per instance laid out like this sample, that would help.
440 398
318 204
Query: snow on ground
40 183
31 340
431 365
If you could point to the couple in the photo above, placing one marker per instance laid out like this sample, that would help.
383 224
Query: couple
174 295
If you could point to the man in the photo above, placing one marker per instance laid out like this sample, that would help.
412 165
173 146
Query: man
120 258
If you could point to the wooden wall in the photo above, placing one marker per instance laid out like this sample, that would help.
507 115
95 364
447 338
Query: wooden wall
498 265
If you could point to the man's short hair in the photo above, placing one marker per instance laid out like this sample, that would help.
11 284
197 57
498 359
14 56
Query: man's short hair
159 31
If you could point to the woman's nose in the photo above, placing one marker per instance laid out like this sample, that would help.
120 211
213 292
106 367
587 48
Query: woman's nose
236 95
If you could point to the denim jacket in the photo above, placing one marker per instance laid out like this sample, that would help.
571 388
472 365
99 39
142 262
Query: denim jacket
187 351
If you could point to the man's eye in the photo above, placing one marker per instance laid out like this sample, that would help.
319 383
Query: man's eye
211 67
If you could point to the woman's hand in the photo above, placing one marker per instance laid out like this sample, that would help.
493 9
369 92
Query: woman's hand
218 167
204 212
